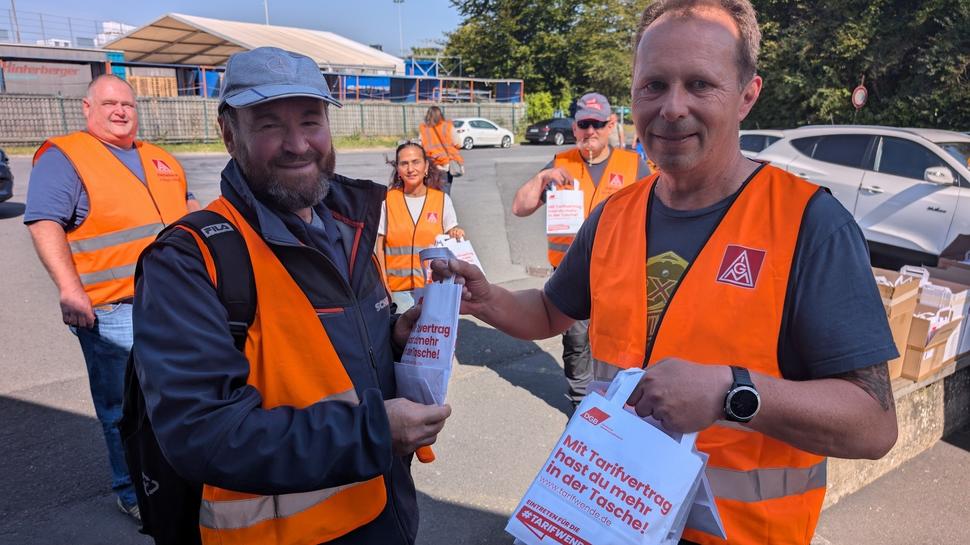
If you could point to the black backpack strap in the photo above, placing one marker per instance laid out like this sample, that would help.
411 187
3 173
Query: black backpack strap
235 282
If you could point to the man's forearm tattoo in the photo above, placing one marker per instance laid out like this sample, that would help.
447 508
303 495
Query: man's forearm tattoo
875 381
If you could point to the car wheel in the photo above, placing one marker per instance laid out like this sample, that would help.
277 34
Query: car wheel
506 141
468 143
559 139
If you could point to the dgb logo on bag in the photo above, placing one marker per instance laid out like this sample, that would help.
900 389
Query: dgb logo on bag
595 416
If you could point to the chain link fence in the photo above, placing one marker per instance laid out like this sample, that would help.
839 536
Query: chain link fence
30 119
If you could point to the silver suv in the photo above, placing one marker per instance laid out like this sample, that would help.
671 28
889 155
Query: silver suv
909 189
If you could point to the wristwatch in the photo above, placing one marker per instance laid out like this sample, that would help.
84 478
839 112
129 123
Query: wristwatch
742 401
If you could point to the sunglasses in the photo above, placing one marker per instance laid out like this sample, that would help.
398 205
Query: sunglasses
587 123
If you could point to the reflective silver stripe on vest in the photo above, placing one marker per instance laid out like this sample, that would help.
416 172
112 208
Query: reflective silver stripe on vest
235 514
404 250
558 247
117 273
115 238
405 273
765 484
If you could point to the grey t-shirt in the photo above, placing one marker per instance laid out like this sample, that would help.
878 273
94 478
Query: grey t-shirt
596 170
55 191
832 323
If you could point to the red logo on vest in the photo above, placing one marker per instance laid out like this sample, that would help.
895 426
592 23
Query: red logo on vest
595 416
162 168
432 217
741 266
616 180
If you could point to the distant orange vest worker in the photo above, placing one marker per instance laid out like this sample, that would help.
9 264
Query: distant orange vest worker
767 491
124 213
438 144
293 363
404 238
620 172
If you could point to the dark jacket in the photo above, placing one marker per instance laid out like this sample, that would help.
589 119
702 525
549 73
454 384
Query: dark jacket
209 421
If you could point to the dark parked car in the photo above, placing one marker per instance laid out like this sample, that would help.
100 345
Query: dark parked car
557 131
6 178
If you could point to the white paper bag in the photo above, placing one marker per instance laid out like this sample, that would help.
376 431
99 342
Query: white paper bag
615 479
565 210
462 249
423 372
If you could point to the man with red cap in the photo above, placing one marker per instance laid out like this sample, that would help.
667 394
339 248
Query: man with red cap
601 171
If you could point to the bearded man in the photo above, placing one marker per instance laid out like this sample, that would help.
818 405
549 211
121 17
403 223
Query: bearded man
296 433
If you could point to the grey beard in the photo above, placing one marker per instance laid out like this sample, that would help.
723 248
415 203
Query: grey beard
292 199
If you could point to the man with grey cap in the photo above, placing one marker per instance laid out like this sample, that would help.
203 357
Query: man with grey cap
296 435
600 170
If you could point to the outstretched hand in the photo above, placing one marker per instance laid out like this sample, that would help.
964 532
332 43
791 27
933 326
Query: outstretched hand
476 290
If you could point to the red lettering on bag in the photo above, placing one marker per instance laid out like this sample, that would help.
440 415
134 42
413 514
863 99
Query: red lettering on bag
542 526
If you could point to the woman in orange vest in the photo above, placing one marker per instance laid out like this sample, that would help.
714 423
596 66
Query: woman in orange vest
415 212
436 139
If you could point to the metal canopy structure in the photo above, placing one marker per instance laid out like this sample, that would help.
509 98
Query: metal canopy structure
175 38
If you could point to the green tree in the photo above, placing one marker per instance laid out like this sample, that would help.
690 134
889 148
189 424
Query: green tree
564 47
913 56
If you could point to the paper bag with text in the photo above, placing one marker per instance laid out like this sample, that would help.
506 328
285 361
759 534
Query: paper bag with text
614 478
565 210
462 249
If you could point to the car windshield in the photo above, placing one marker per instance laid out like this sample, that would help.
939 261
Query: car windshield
959 150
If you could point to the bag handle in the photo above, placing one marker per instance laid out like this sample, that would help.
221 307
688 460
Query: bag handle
622 387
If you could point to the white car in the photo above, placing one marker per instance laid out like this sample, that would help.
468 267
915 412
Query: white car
909 189
478 131
754 141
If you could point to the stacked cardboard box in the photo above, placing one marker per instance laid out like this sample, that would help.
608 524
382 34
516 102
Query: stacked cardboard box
900 295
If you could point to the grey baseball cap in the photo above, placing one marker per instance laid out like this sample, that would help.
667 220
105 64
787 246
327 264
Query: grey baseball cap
593 106
269 73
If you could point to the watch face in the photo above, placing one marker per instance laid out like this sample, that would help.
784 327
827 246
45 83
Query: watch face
744 403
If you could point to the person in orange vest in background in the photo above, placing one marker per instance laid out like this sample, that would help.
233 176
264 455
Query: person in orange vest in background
436 134
601 170
297 436
745 291
96 199
415 212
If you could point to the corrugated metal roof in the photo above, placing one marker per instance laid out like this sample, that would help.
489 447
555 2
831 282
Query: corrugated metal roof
186 39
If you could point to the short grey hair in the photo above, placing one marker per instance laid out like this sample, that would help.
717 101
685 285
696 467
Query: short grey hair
106 77
741 12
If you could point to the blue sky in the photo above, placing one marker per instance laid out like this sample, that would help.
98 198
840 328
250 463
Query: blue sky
366 21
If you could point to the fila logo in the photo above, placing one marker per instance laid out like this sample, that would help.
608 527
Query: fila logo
212 230
161 167
616 180
432 217
741 266
595 416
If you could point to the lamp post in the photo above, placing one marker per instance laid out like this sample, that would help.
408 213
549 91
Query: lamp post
400 27
266 11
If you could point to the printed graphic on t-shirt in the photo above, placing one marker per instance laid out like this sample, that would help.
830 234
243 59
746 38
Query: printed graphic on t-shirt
663 273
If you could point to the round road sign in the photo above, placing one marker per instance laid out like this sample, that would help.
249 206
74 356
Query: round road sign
859 96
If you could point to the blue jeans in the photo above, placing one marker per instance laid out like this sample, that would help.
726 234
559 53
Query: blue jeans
105 347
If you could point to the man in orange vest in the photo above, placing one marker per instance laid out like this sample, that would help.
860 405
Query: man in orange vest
96 199
745 291
299 437
601 171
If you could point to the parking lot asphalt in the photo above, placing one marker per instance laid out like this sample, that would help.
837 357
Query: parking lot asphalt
507 397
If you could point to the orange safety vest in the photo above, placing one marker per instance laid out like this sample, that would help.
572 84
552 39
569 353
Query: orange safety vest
727 309
291 363
438 145
404 238
620 172
124 214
